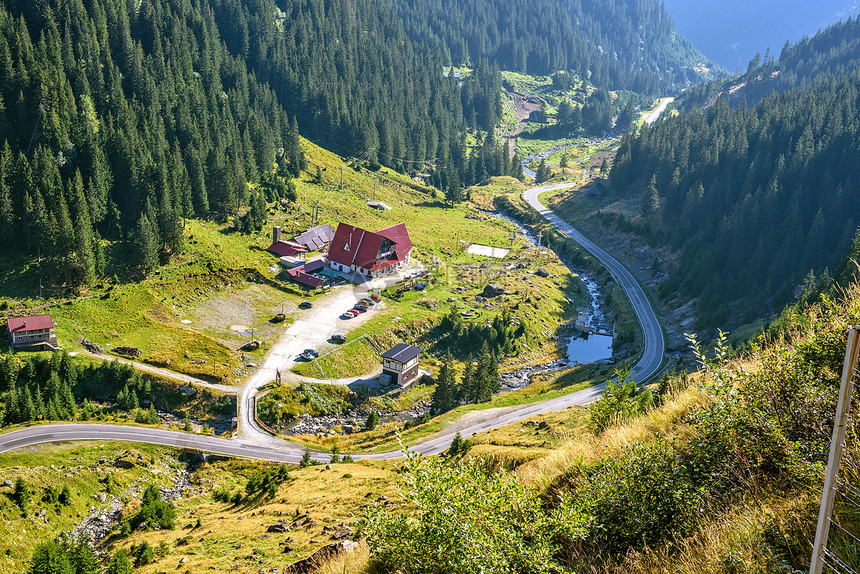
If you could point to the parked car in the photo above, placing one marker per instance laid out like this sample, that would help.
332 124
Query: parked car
360 307
311 352
347 315
305 305
338 338
366 302
375 298
307 356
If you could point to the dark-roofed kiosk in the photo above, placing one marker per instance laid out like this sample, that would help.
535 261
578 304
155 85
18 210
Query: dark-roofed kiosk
400 363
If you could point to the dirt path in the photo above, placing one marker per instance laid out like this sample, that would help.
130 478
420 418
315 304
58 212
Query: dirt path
166 373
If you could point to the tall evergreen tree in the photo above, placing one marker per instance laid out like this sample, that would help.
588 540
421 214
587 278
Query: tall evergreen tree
445 396
146 246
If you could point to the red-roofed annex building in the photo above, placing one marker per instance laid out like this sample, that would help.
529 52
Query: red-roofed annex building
37 330
356 250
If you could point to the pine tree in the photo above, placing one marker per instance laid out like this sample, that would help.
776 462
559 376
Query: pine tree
146 246
563 162
445 394
7 215
119 564
544 172
81 556
486 376
651 202
8 373
454 192
50 558
67 401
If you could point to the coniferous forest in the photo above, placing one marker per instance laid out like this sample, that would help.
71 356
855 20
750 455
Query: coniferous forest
600 41
121 118
753 197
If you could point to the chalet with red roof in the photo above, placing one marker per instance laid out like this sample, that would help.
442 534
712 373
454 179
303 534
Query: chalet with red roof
372 254
34 331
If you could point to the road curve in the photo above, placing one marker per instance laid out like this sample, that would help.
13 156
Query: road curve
654 343
279 450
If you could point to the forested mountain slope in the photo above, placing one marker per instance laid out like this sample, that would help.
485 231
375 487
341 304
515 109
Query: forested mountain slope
119 118
831 52
629 44
753 198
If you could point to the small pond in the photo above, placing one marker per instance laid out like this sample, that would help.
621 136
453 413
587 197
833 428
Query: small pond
593 348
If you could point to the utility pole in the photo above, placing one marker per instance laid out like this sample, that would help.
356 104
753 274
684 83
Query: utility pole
539 237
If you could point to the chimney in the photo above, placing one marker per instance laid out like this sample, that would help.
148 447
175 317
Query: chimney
276 234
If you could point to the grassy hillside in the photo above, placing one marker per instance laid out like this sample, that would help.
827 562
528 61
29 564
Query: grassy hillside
722 474
208 534
194 314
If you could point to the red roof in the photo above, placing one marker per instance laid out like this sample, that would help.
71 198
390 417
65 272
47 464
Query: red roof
34 323
400 236
356 246
283 249
301 277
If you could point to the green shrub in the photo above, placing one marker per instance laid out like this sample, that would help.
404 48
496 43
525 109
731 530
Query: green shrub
222 495
618 403
21 494
143 554
460 526
154 511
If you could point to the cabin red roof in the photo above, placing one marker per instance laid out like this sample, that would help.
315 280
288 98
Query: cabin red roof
301 277
368 250
34 323
283 249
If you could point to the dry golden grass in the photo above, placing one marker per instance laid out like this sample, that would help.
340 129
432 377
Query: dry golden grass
586 448
356 562
732 540
233 538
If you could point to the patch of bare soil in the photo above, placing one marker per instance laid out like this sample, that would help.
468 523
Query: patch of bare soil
525 105
249 306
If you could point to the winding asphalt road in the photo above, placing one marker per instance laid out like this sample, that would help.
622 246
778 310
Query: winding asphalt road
278 450
655 344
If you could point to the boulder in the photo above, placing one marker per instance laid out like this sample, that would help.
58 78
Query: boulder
541 272
493 290
280 527
341 534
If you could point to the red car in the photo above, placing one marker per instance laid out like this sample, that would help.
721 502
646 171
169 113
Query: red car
375 298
